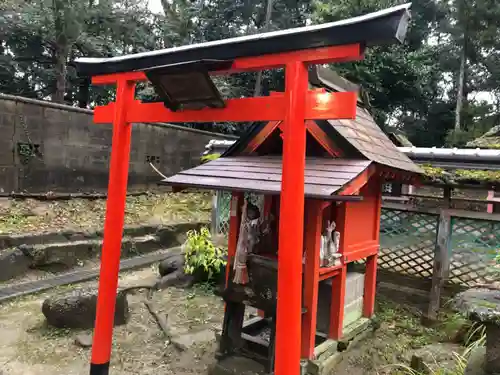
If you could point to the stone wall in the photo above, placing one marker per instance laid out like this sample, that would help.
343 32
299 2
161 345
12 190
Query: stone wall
49 147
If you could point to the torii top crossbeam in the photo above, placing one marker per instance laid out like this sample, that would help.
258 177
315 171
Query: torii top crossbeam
181 77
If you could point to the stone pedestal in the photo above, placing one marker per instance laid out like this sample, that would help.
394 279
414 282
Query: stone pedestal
493 348
483 306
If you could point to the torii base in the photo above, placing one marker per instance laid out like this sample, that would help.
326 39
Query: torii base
236 365
327 355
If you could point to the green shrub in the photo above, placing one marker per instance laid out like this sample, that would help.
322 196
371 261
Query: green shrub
200 254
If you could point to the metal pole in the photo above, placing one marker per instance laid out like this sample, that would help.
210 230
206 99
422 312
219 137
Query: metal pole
113 231
291 230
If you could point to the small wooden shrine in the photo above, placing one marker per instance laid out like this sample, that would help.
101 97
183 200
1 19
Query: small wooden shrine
315 154
346 163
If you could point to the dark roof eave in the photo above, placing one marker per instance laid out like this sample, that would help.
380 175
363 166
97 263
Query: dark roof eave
383 27
334 197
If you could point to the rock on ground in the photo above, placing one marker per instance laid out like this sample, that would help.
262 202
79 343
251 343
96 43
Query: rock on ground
13 263
477 362
434 357
83 340
173 263
185 342
77 309
176 279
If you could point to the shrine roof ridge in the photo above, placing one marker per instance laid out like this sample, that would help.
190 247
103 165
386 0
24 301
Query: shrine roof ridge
384 26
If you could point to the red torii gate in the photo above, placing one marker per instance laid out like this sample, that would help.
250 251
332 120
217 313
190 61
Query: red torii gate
293 50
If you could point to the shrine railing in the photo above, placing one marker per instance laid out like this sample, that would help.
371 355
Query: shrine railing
412 240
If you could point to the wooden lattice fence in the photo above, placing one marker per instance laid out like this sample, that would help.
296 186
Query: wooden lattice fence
438 246
407 242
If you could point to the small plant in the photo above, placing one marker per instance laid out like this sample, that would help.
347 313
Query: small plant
209 157
201 254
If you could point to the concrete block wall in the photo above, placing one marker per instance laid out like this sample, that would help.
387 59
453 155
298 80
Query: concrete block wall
353 303
49 147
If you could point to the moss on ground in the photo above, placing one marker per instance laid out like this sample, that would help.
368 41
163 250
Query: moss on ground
400 334
28 215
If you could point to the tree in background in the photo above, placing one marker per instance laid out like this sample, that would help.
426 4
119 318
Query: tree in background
42 37
429 88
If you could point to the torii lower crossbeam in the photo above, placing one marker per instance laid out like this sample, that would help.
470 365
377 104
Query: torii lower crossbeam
293 107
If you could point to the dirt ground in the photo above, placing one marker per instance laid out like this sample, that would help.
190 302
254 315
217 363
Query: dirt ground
388 351
28 215
29 347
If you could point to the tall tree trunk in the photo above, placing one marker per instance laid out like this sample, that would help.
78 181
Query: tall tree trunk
267 24
461 93
61 50
84 93
461 97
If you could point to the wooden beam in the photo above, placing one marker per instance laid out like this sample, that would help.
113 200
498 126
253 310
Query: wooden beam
322 55
325 141
441 265
340 105
338 303
312 243
234 229
355 185
264 133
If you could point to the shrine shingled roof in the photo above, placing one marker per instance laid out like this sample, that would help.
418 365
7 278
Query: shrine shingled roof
358 138
322 177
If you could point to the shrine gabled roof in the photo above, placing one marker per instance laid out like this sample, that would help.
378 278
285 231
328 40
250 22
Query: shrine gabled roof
382 27
358 138
262 174
367 138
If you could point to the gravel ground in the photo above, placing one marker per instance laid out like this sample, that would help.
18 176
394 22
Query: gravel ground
29 347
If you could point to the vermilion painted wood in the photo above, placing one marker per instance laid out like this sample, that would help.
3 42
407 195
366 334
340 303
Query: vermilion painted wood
313 228
355 185
234 229
267 210
361 215
261 137
111 79
290 107
328 273
113 225
371 262
291 228
320 136
311 56
361 253
337 306
342 105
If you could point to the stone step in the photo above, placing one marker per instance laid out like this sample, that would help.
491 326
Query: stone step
165 232
54 254
70 254
65 255
18 290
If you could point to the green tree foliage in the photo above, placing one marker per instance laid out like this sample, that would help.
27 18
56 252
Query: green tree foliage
432 88
416 87
40 39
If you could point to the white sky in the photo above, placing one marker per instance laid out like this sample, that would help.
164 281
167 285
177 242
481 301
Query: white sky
155 6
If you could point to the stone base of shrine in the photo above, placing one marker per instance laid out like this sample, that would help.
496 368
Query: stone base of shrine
329 353
236 365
